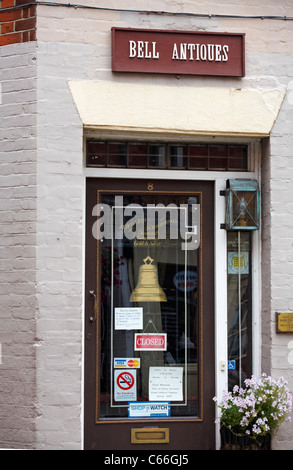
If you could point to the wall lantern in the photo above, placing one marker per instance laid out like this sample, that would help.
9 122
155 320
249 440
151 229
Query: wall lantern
242 205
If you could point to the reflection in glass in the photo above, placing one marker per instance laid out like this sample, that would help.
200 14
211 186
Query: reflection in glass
178 154
156 156
130 266
162 155
239 307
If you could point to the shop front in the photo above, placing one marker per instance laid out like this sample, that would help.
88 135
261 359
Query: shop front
150 343
155 336
147 189
172 251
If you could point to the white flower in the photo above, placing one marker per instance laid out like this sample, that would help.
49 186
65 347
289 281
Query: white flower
259 407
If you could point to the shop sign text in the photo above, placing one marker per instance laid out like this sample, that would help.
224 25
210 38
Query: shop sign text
178 52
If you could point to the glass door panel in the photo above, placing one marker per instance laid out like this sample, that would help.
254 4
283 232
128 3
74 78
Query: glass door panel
239 288
149 266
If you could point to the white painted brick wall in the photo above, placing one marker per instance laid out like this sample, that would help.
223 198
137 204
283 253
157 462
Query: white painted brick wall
17 245
60 263
281 161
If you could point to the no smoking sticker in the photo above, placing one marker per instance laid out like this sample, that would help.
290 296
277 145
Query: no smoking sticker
125 381
125 385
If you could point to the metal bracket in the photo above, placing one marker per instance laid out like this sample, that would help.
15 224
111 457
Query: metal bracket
93 296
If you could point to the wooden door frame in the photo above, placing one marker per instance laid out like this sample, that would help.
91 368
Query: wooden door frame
90 331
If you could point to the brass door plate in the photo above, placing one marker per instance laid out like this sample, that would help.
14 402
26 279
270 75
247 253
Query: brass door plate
150 436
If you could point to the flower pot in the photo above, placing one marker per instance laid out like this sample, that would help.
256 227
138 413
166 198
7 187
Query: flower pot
231 441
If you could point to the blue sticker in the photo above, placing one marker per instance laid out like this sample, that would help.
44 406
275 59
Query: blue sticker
231 365
142 409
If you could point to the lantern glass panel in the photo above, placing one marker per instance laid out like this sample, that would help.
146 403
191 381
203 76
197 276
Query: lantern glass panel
244 209
242 205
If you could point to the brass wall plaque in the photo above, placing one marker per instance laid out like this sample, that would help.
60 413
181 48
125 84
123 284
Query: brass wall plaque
150 436
284 322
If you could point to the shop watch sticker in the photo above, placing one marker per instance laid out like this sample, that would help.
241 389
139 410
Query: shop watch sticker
125 385
146 409
127 362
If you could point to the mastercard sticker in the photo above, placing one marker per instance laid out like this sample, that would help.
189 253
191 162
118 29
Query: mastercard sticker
126 362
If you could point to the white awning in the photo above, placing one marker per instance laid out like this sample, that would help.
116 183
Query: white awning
184 110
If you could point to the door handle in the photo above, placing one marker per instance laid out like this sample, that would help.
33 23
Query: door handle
93 316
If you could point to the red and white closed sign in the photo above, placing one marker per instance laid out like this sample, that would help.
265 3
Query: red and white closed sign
150 342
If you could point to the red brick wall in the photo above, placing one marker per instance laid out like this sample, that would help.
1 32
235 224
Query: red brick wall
17 21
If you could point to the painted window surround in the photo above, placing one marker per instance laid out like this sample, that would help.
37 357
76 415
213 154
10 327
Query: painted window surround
241 128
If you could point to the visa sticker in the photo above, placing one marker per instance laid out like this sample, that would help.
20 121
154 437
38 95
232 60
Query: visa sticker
127 362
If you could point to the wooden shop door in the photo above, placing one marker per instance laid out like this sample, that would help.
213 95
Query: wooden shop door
149 315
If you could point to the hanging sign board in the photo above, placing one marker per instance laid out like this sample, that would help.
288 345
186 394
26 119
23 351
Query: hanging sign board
178 52
150 342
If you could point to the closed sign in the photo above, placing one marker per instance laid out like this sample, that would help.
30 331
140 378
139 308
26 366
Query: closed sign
150 342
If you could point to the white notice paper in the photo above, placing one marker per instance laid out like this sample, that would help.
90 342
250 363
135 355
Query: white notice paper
166 384
129 318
